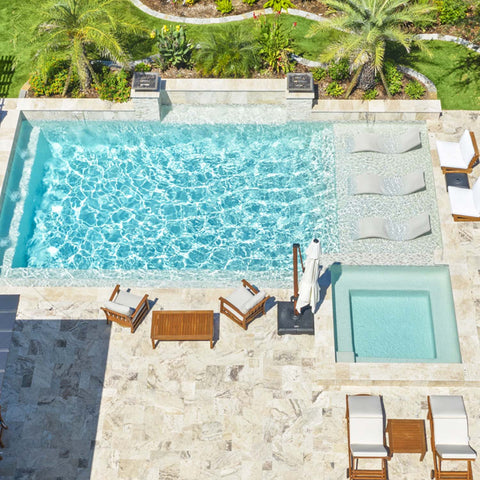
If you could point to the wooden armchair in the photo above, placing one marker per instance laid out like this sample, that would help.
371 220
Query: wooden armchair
126 309
244 305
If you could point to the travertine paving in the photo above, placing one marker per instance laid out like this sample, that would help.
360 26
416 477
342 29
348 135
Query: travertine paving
87 400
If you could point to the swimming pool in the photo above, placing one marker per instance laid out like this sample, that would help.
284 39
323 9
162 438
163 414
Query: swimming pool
394 314
161 199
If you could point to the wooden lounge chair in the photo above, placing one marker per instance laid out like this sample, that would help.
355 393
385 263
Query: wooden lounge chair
244 305
126 309
465 203
458 156
366 436
449 436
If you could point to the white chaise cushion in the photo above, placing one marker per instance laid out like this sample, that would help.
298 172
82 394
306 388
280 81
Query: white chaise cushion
456 155
119 308
476 194
128 299
462 201
239 298
253 301
368 451
464 452
366 420
466 147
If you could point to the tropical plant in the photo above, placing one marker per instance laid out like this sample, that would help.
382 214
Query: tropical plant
393 78
79 31
230 52
367 26
334 89
415 90
224 6
340 70
279 5
143 67
275 44
114 86
370 94
319 74
173 47
451 11
51 79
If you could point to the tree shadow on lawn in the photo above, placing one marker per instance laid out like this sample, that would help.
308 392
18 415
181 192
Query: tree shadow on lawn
7 70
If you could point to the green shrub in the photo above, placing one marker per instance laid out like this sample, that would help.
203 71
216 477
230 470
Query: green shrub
114 86
334 89
340 70
319 74
224 6
275 44
143 67
393 78
279 5
230 52
173 47
451 11
51 79
370 94
250 2
414 90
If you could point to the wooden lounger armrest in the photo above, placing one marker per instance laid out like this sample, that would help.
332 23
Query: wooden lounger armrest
231 305
250 286
115 291
475 146
143 303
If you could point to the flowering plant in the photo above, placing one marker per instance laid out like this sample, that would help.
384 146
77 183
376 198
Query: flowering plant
173 47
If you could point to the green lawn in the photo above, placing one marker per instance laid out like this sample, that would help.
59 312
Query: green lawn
454 69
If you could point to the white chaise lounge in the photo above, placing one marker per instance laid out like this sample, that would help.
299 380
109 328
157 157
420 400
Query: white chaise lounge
379 227
449 435
371 142
370 183
458 156
465 203
366 435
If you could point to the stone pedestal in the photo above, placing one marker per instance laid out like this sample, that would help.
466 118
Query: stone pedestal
299 105
146 105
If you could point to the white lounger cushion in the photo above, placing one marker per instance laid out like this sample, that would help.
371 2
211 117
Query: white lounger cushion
366 426
378 227
464 452
370 183
451 427
368 450
371 142
464 201
118 308
456 155
128 299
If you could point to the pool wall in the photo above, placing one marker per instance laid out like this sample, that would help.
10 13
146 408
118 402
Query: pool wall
435 280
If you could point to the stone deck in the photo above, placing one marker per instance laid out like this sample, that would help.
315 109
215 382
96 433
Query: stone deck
87 400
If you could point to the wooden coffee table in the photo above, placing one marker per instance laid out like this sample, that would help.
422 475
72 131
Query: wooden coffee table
182 325
407 436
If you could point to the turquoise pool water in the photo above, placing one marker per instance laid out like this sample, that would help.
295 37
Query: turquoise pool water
131 196
406 314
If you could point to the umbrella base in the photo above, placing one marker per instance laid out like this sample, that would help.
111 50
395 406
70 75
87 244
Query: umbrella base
290 324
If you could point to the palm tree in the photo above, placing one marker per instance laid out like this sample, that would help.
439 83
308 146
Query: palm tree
79 31
368 25
230 52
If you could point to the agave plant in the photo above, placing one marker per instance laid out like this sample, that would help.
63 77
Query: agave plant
368 25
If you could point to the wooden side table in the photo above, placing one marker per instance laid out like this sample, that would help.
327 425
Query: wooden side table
407 436
182 325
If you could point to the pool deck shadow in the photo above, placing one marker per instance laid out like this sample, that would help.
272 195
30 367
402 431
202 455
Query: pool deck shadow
51 397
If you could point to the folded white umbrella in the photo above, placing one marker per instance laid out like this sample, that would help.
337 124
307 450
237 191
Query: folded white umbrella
309 290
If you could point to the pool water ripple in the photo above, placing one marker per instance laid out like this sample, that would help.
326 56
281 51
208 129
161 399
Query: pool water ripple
148 196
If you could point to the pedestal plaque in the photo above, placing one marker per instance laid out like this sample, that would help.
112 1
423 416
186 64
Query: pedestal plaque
299 82
145 81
